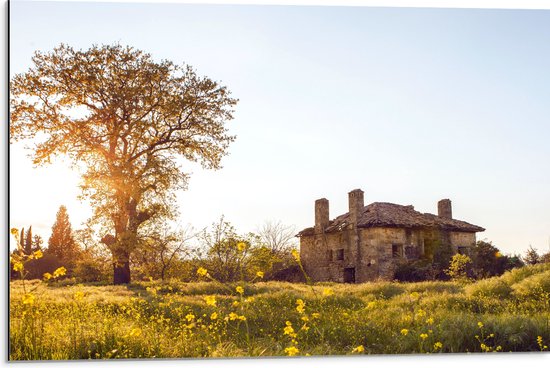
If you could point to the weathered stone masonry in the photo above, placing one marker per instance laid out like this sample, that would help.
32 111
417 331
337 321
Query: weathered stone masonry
368 242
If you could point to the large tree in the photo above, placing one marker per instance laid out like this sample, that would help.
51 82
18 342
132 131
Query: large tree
122 118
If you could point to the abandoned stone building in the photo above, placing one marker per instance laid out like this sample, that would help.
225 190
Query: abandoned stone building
368 242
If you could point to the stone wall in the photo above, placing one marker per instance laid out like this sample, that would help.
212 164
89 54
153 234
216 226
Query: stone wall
372 253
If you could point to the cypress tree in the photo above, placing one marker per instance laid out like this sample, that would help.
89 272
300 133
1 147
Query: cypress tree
28 241
22 239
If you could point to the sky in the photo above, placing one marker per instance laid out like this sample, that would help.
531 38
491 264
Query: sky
411 105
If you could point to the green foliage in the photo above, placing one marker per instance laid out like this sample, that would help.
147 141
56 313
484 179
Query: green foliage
531 256
38 267
489 261
492 287
458 267
230 256
414 271
173 319
442 254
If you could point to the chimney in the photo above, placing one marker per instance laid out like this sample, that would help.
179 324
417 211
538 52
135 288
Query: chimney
321 215
444 209
356 205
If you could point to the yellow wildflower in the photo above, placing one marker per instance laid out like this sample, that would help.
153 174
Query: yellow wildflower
430 321
135 332
300 305
315 315
250 299
359 349
239 289
260 274
14 231
327 292
296 255
233 316
292 350
423 336
305 318
420 313
438 345
288 330
38 254
47 276
404 332
210 300
202 271
415 295
18 266
242 318
480 324
235 303
190 317
78 295
241 246
214 316
28 299
61 271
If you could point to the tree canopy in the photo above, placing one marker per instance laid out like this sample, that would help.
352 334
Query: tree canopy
121 118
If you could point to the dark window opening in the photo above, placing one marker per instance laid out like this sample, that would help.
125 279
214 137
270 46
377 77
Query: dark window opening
339 254
397 250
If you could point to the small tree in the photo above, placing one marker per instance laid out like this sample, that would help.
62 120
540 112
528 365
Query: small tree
458 267
21 240
61 242
28 241
227 253
162 249
531 256
489 261
37 243
277 237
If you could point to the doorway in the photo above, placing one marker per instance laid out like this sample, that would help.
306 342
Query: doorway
349 275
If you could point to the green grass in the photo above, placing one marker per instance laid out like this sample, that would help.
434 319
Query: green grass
173 320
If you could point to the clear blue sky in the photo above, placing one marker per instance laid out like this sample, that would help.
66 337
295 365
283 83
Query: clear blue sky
411 105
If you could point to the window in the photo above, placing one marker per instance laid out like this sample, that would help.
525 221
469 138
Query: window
339 254
397 250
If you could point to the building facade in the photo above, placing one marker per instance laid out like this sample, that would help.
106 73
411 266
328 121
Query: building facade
368 242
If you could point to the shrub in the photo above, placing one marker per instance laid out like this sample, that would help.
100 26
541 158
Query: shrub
414 271
494 287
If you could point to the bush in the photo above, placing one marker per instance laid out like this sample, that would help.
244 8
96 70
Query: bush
36 268
494 287
89 270
414 271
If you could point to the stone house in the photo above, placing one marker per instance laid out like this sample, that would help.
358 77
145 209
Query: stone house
368 242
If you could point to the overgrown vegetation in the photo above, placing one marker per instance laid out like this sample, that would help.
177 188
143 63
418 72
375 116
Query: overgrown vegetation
63 320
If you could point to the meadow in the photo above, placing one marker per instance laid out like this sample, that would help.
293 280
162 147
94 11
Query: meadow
152 319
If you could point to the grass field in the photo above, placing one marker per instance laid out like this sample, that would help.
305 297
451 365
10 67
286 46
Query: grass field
209 319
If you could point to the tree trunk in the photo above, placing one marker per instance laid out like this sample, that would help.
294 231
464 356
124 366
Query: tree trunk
121 271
